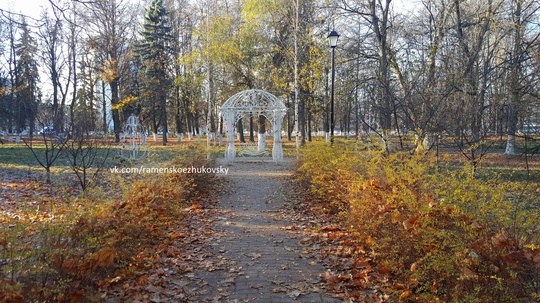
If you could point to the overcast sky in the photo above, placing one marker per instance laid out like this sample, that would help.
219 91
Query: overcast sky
30 8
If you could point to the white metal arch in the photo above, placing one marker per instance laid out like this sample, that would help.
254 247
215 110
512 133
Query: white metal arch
256 102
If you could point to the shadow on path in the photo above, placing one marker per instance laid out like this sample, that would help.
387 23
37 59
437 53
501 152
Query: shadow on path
255 254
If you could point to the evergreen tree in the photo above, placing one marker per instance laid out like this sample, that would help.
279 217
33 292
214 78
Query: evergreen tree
26 80
154 51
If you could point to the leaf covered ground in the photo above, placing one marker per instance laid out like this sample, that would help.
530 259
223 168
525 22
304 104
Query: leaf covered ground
191 238
330 232
253 244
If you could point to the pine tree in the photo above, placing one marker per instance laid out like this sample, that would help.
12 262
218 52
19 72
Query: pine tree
26 80
154 51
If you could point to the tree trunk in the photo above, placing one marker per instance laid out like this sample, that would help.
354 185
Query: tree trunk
290 125
115 114
251 135
163 119
380 26
261 138
104 108
515 79
241 131
178 115
309 125
302 118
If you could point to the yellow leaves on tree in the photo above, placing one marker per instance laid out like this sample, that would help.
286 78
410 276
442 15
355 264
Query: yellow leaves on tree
109 71
124 102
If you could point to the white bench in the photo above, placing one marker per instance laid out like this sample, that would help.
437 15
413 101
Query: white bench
251 150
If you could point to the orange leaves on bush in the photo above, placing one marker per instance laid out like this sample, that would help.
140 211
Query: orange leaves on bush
82 264
10 291
405 295
533 254
391 204
383 270
411 222
103 257
362 262
501 240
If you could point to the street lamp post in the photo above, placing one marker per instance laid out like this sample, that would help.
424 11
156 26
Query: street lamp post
333 38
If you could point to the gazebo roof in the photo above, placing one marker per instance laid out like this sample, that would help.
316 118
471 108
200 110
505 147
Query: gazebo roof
253 100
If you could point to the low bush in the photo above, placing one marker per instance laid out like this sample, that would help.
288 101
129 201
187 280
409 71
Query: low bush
437 236
96 237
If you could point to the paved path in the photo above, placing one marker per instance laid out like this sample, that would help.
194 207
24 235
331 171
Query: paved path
256 256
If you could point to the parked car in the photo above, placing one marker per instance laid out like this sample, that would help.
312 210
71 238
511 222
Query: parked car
48 131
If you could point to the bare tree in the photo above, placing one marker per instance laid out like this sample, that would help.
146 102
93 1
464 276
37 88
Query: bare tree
110 31
182 28
46 154
376 17
56 62
86 156
521 48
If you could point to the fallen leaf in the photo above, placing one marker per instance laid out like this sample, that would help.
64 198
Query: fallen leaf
253 256
280 290
294 294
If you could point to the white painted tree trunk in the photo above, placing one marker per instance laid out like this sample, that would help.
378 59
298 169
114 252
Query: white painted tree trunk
261 142
386 140
510 145
423 142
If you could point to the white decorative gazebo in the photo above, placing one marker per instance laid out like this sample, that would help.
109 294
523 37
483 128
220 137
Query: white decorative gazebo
133 138
255 102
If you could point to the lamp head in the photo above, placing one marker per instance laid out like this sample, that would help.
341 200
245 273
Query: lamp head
333 38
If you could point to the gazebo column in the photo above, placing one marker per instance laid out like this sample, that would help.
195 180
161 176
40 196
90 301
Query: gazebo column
230 150
277 149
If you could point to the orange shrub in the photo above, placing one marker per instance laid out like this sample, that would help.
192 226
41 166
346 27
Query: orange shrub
431 251
100 236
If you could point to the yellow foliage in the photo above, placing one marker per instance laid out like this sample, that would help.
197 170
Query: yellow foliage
124 102
109 71
426 225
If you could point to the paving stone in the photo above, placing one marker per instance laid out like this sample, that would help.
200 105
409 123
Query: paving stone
265 262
